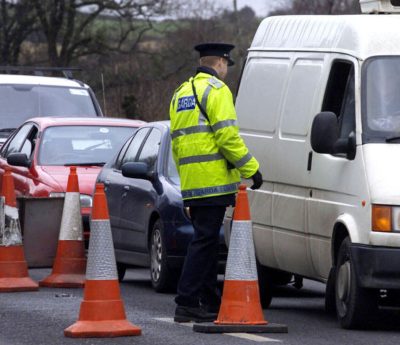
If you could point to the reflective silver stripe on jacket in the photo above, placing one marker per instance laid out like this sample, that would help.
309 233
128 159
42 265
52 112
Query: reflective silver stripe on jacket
203 128
215 82
243 161
199 192
223 124
204 98
201 158
191 130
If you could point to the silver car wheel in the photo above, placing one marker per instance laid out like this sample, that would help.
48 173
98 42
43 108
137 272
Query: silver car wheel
156 255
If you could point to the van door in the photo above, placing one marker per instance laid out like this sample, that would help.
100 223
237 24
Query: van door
258 107
289 211
337 184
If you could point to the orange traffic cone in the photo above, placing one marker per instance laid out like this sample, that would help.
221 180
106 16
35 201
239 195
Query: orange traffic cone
240 309
102 312
70 262
13 267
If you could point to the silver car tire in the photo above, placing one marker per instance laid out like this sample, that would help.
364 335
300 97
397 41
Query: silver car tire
162 278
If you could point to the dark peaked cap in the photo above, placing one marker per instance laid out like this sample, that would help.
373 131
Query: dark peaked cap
216 49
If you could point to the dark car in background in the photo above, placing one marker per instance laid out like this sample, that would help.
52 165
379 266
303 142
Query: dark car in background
150 226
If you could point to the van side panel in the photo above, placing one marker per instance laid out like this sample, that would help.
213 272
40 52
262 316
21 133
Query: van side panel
258 106
291 187
262 223
276 130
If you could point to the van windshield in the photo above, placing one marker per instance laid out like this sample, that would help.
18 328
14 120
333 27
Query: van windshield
381 99
20 102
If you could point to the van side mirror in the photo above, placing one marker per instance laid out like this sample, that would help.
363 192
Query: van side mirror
325 136
347 146
19 160
136 170
324 132
351 146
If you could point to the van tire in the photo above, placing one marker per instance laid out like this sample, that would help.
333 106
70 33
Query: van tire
356 307
264 286
330 302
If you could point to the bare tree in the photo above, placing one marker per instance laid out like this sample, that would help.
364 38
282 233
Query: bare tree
73 27
17 22
162 63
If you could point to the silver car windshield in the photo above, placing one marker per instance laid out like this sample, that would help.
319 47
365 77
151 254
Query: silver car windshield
81 145
381 97
21 102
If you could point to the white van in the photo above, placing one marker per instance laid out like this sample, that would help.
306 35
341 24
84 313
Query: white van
319 106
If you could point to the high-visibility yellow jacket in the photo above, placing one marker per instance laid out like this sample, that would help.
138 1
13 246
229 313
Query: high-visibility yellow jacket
202 149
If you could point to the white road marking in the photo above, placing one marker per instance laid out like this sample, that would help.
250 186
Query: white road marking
248 336
252 337
171 320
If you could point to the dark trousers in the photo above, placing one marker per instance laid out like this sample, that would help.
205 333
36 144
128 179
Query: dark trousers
198 282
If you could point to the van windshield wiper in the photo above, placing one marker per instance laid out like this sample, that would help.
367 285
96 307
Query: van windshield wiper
390 139
97 164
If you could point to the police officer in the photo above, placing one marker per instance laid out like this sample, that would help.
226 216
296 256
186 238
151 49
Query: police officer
210 157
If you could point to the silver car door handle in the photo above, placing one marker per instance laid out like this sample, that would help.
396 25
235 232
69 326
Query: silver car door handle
126 187
107 182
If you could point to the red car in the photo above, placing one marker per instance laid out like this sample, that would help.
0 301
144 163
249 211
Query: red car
41 151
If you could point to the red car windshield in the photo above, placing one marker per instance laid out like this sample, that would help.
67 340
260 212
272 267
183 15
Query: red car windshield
81 145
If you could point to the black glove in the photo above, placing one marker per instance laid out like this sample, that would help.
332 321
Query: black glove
257 180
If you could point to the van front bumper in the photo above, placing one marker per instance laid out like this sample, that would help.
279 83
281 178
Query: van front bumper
376 267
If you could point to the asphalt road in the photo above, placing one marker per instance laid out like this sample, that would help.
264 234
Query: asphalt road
40 318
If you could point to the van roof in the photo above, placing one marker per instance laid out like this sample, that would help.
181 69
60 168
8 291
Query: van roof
358 35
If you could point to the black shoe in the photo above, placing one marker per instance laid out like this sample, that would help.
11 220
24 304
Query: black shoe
211 308
196 314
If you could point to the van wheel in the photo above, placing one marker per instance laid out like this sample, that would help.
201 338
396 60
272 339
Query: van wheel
162 279
356 306
264 286
330 302
121 270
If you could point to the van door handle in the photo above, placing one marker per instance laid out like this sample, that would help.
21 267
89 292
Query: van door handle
309 163
107 182
126 187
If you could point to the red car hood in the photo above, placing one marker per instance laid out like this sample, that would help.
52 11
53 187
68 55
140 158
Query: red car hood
86 177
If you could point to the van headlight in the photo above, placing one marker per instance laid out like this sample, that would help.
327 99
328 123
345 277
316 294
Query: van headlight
86 200
385 218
